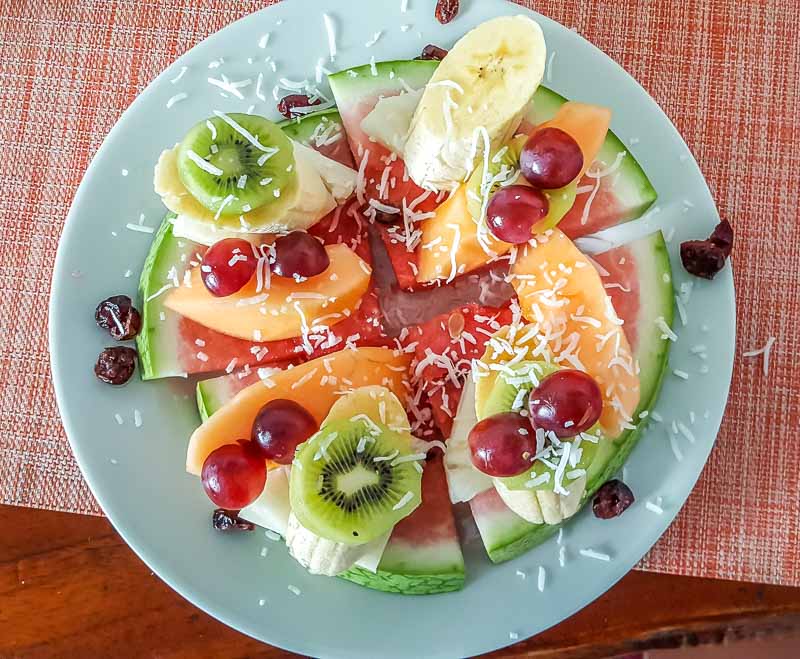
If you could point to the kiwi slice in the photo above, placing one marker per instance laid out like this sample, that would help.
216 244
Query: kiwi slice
505 396
510 394
235 163
354 480
508 160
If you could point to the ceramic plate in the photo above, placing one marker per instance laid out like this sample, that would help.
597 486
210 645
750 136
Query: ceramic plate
137 473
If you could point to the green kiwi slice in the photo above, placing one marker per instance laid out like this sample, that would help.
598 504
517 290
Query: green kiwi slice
505 159
354 480
510 393
235 163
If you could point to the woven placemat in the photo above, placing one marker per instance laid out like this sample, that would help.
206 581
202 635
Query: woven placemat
725 71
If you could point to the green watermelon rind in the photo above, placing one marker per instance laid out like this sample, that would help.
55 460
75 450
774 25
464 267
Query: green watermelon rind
162 255
522 535
302 128
414 73
405 584
399 571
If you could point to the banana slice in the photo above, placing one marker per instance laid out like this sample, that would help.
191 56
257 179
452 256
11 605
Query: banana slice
475 100
321 556
543 506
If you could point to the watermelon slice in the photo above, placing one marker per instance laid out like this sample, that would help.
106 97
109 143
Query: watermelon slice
170 345
423 555
638 281
623 195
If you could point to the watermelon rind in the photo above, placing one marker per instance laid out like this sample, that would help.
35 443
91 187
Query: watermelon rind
156 340
505 534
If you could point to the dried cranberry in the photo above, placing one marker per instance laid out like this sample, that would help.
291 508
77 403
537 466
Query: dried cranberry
723 237
118 315
612 500
433 52
446 10
115 365
229 520
288 103
702 258
705 258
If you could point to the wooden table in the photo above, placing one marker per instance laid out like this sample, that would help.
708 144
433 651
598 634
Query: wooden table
70 587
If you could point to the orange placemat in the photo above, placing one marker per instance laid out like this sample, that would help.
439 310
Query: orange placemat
725 71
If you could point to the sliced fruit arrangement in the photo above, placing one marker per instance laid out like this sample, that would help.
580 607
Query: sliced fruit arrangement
313 384
171 344
283 309
286 261
422 554
449 242
637 277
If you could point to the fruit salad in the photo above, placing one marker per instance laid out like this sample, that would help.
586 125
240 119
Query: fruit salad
388 318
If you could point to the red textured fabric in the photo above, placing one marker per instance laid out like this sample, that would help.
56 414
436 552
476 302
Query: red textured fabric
725 71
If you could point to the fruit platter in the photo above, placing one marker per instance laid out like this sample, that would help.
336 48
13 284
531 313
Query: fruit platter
398 333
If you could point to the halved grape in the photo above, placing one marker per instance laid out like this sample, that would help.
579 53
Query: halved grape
280 427
234 475
502 445
299 254
513 211
567 402
551 159
227 266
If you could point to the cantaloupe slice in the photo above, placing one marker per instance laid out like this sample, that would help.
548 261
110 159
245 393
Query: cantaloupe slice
587 124
560 290
282 310
453 227
316 385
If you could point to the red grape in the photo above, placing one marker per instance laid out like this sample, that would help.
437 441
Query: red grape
299 254
280 427
566 402
234 475
227 266
513 211
551 159
502 445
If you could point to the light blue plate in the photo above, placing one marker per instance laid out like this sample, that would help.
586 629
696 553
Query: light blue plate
137 474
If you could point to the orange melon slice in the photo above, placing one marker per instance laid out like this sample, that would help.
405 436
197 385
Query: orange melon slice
284 309
453 227
587 124
316 385
560 290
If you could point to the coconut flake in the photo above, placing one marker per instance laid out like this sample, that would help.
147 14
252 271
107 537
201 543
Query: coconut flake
330 30
591 553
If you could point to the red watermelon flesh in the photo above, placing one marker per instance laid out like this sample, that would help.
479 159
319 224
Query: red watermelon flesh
621 280
439 382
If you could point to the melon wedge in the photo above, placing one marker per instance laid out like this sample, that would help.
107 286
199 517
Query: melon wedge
316 385
289 306
560 289
450 244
